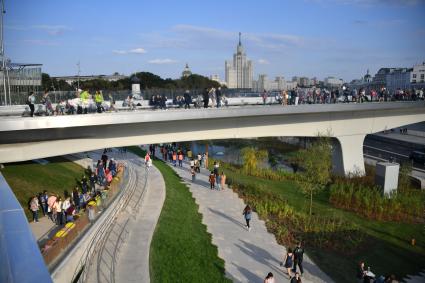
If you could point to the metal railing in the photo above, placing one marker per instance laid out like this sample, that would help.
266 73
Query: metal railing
20 257
97 243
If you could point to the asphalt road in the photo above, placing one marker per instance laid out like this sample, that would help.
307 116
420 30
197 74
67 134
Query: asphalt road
382 149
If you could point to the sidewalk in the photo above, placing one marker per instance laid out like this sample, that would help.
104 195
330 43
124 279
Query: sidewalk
44 229
133 261
248 255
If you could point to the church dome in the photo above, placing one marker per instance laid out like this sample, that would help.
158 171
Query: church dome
186 72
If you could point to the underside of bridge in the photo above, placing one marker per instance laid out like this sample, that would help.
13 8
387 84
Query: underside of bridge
31 138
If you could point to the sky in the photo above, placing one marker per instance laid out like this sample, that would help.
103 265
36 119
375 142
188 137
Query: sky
313 38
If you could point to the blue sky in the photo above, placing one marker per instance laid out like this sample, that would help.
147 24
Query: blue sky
341 38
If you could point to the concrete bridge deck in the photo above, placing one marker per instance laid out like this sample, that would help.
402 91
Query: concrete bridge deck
38 137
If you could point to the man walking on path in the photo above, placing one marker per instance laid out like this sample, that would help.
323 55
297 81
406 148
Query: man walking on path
298 258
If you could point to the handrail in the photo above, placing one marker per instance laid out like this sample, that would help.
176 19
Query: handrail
79 270
98 240
20 257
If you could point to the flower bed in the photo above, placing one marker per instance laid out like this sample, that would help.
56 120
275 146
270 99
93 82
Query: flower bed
67 234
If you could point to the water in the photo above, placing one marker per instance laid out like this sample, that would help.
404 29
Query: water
231 154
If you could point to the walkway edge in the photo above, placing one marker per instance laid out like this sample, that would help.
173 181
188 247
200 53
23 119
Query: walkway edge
133 259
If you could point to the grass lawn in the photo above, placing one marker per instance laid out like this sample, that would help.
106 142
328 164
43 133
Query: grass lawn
181 248
388 251
29 178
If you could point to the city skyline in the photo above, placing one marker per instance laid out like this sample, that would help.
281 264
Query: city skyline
313 38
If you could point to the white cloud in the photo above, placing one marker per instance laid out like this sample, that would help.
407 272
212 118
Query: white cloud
119 51
131 51
263 62
162 61
137 51
52 29
202 37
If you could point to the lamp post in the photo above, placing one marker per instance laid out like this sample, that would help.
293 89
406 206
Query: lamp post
3 63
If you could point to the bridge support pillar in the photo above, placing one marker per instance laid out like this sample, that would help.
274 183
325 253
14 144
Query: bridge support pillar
347 156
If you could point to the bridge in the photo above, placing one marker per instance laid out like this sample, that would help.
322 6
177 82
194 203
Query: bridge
39 137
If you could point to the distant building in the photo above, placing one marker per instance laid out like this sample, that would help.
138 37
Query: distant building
239 72
216 78
277 84
109 78
417 76
333 82
398 79
364 82
18 80
186 72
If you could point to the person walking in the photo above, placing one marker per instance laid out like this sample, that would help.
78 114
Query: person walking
180 156
269 278
31 102
296 278
193 172
218 95
288 261
264 97
174 158
222 180
205 98
298 258
34 206
211 179
58 208
247 214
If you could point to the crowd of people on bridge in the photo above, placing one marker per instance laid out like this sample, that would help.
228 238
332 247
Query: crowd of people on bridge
86 101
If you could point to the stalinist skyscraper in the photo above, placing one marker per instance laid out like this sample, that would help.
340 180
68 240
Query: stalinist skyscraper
239 72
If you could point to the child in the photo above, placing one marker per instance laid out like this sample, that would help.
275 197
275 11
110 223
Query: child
193 174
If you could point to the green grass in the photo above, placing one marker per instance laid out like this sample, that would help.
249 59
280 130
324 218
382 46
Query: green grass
28 178
388 250
181 248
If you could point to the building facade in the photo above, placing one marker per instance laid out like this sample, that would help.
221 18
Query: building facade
398 79
417 76
333 82
239 72
277 84
17 80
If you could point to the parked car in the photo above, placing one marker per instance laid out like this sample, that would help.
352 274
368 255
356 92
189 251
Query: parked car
418 157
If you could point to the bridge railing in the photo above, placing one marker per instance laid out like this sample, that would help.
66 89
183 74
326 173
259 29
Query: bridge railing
20 257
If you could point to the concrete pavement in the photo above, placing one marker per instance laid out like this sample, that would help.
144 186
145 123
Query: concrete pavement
133 260
248 255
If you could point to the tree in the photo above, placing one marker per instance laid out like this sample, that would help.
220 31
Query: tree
46 81
251 157
316 161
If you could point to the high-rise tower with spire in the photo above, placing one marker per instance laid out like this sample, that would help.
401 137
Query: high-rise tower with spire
239 73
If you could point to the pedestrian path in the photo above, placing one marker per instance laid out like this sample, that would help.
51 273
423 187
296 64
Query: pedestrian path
123 255
133 260
248 255
42 230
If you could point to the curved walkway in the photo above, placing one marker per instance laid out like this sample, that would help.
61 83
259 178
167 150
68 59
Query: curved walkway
248 256
133 261
124 253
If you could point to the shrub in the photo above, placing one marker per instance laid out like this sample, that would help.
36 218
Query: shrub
370 202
